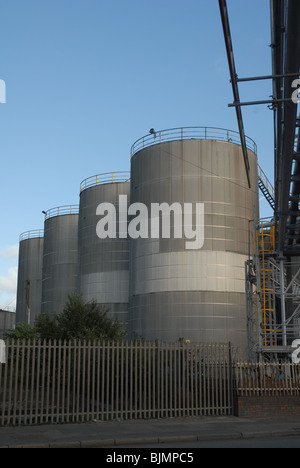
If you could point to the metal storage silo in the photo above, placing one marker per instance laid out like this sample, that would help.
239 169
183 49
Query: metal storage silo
60 259
103 263
197 295
29 291
7 321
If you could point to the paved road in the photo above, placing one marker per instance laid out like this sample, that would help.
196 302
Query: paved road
199 431
266 442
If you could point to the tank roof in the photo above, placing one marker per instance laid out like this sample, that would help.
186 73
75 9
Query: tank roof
35 233
62 211
190 133
105 178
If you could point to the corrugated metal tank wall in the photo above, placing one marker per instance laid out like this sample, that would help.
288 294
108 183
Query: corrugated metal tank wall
30 269
197 295
60 259
103 263
7 321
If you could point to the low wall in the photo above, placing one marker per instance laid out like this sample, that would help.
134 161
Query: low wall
266 406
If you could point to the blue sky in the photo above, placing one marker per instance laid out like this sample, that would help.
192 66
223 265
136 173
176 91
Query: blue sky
86 78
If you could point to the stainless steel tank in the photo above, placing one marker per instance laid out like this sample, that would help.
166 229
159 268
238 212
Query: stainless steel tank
196 294
60 258
7 321
103 262
29 289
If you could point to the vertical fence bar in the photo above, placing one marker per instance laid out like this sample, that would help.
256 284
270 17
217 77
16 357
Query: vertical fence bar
32 369
53 383
154 361
112 382
90 403
103 382
43 364
200 381
58 371
78 380
98 381
37 381
117 390
107 377
145 386
195 376
16 377
141 365
83 381
21 383
6 378
135 381
126 380
162 380
10 380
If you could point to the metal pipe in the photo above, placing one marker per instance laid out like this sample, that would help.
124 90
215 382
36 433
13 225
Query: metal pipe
291 65
233 75
267 77
266 101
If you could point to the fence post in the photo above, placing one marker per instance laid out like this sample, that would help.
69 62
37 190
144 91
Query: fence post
231 380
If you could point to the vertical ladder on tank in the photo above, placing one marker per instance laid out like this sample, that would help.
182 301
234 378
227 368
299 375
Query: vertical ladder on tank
265 245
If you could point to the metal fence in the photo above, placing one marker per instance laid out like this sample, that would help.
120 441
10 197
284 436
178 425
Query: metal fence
54 382
267 379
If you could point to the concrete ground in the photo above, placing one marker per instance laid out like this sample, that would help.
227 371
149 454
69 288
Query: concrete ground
145 432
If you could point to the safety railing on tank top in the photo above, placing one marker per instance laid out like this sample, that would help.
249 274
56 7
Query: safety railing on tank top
61 210
35 233
189 133
106 178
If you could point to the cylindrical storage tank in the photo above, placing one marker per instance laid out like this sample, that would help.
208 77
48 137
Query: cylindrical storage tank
181 290
29 290
103 262
7 321
60 259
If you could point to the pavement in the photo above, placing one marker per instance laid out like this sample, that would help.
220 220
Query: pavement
145 432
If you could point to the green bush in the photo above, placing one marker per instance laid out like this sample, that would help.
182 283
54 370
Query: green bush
79 320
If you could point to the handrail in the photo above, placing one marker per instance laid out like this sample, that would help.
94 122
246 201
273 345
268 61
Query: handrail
31 234
105 178
61 211
188 133
264 179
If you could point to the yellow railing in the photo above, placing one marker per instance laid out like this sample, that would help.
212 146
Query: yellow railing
31 234
265 246
106 178
62 210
